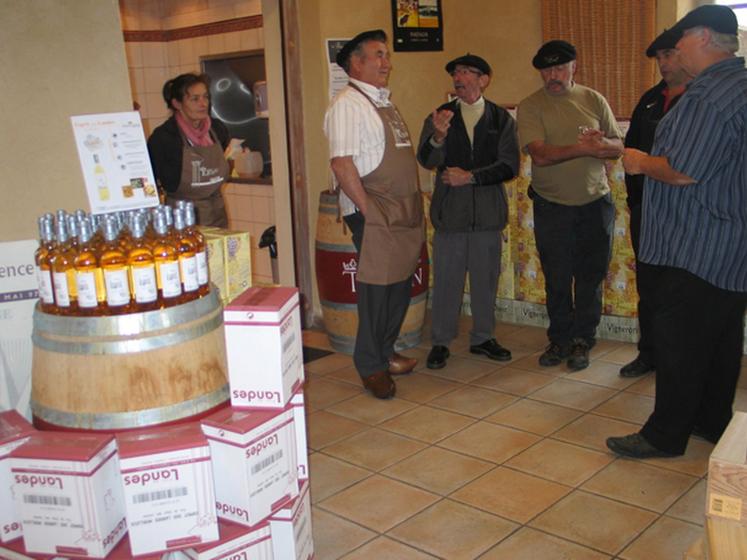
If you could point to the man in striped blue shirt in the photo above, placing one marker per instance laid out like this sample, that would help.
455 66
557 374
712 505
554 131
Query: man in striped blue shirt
694 234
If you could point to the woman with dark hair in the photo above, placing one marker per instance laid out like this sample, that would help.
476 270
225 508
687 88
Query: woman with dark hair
187 151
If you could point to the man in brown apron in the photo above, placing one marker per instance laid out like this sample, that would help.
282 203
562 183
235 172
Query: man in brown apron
373 161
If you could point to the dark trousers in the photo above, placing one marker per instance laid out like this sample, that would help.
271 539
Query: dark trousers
381 312
574 244
644 279
698 338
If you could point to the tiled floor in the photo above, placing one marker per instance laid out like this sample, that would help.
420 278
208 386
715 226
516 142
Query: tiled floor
495 460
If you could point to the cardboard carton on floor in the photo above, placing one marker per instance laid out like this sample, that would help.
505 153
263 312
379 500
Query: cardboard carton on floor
14 431
236 541
292 537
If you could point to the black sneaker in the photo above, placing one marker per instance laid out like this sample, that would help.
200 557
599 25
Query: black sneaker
636 368
492 350
554 354
437 357
579 358
636 446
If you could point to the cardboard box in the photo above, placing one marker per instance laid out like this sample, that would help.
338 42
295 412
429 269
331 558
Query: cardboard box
264 347
14 431
237 262
68 494
16 551
254 461
216 265
292 537
299 422
167 478
236 541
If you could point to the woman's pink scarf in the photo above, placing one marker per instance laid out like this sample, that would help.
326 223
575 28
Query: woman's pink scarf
196 136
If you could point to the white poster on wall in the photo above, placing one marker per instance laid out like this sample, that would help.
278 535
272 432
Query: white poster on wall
338 79
115 162
18 295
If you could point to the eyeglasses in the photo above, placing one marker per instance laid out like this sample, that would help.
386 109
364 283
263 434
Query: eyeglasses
463 71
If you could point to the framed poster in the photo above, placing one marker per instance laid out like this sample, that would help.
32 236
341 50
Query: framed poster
418 25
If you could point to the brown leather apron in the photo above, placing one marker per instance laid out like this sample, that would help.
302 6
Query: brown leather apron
393 234
204 170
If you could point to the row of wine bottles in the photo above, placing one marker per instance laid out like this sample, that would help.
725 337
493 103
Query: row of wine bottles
123 262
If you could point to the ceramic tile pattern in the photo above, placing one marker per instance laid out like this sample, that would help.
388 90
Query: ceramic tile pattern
495 460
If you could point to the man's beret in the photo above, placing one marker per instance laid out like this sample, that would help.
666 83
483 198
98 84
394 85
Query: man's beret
666 40
372 35
471 60
719 18
553 53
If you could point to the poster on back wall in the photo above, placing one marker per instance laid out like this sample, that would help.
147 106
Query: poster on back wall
417 25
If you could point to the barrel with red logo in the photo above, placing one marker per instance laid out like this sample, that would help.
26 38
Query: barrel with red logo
336 267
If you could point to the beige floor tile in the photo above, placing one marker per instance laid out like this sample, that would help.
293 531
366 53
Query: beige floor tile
604 347
531 363
374 449
421 388
325 428
334 537
489 442
627 406
454 531
321 393
694 461
562 462
330 363
427 424
514 381
347 374
529 336
329 475
667 538
646 385
463 370
370 410
385 548
573 394
740 399
592 431
640 485
602 373
316 339
438 470
510 494
691 506
626 353
594 521
473 401
533 416
378 503
530 544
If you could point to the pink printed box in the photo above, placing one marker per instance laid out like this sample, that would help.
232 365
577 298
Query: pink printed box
264 348
14 431
16 551
236 542
292 537
254 459
167 478
299 420
68 494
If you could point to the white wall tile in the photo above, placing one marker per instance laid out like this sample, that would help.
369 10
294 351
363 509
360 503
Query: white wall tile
154 79
134 54
154 55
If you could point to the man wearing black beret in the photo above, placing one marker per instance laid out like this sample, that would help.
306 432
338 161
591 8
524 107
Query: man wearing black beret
651 108
373 162
569 131
472 143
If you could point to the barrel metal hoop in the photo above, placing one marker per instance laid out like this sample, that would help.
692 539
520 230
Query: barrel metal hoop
135 419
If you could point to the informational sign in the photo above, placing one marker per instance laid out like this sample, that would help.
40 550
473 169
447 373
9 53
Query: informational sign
115 162
18 295
338 79
418 25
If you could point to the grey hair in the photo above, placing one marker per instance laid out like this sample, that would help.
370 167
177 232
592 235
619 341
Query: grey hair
721 41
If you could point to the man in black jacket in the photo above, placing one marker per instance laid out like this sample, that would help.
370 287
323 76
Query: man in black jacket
472 143
654 104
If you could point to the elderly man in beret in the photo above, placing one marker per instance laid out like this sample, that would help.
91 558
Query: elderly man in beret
373 162
569 131
472 143
694 238
651 108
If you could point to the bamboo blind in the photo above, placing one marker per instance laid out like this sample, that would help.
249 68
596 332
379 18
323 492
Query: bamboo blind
611 37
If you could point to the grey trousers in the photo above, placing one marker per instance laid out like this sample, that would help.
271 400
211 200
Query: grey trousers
455 254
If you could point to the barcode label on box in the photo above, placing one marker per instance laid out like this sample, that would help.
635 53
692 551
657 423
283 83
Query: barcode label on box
725 506
47 500
267 461
159 495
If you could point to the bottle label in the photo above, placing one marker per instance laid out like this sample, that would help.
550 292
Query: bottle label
188 270
202 268
144 283
46 293
86 282
61 290
117 287
168 279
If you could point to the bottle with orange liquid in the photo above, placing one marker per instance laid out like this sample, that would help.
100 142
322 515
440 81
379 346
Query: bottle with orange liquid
44 272
89 278
61 261
185 248
142 268
114 264
203 275
167 263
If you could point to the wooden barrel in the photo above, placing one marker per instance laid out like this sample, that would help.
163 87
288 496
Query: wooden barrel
129 371
336 266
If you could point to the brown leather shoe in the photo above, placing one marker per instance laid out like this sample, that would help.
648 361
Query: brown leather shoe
380 384
400 365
